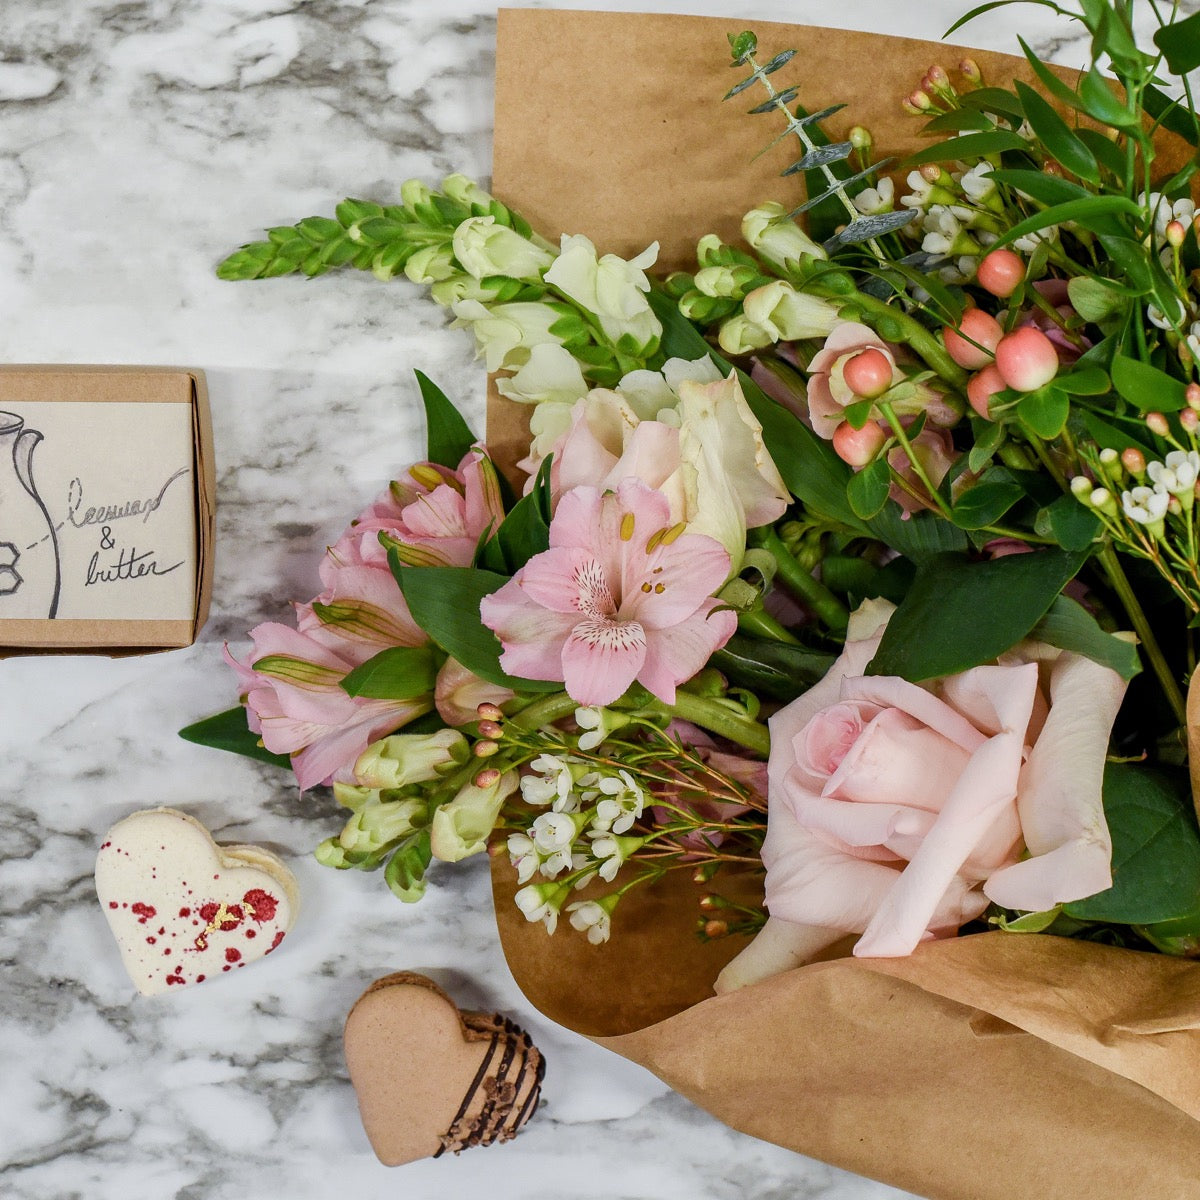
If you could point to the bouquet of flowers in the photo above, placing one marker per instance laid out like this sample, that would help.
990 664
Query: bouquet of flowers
838 596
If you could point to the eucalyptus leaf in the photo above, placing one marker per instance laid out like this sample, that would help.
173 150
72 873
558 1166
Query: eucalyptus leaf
959 614
820 157
1156 848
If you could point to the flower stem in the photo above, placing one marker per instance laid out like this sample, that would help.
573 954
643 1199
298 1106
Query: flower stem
761 624
802 584
1108 559
720 719
545 711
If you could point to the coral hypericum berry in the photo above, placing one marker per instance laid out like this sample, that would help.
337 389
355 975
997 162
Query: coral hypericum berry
868 374
982 387
1026 359
973 343
858 446
1001 272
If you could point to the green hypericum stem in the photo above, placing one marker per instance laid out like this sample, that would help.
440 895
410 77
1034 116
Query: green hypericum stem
807 589
1108 559
889 415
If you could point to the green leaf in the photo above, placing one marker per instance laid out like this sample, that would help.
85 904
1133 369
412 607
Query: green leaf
994 100
970 146
1180 44
448 434
1069 626
1045 411
985 504
1101 103
1108 154
868 489
959 613
1086 381
988 440
917 537
1071 525
958 119
1047 189
775 669
397 673
444 601
1092 213
1110 437
228 731
1147 388
1093 299
1051 82
526 530
1156 849
1171 114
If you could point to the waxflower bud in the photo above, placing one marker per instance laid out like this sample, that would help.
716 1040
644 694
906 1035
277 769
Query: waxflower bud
860 139
406 758
1190 420
1133 460
1192 395
1081 488
1026 359
973 343
1000 272
1157 424
486 749
490 712
1110 464
968 68
1103 500
1175 234
487 778
490 729
920 101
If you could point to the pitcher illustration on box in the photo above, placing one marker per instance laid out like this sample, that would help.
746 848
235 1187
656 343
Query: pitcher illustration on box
30 575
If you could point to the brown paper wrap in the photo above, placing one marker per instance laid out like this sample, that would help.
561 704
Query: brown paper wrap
983 1068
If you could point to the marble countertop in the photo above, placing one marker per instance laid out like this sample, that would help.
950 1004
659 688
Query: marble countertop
140 140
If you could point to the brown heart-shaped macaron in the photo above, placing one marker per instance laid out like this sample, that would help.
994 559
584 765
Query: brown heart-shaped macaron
430 1078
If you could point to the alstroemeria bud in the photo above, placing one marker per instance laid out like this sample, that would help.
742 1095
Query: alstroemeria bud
982 386
1001 272
858 446
1026 359
868 374
1157 424
404 758
973 344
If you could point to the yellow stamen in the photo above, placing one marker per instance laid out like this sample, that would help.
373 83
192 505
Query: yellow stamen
627 527
426 476
673 533
659 588
645 587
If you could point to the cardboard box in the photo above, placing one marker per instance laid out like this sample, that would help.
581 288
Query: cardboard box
107 504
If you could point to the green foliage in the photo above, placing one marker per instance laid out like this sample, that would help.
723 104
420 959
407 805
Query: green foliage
771 669
867 490
959 614
405 871
1069 626
1146 387
448 436
1156 849
397 673
228 731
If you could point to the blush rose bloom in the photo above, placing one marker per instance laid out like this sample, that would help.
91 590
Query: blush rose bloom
899 812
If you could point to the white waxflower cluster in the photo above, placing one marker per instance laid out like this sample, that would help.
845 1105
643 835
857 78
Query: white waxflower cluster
590 811
1173 478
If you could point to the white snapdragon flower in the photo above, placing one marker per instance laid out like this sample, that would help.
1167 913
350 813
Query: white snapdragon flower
611 288
789 315
878 199
505 333
592 918
485 248
551 376
779 240
1145 506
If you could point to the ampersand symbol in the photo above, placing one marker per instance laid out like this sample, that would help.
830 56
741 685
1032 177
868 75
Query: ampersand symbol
106 537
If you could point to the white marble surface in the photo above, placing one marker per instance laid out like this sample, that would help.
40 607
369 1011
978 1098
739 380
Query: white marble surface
140 140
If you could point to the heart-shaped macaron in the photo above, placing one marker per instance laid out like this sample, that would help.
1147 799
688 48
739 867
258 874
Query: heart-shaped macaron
430 1078
184 909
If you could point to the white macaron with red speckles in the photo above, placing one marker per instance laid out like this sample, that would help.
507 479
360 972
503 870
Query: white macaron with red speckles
185 910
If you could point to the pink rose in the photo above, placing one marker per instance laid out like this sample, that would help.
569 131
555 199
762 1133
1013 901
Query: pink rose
899 812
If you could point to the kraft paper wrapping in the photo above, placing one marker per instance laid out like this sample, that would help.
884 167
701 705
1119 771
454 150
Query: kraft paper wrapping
982 1068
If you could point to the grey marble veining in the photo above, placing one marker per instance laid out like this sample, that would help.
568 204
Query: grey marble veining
140 140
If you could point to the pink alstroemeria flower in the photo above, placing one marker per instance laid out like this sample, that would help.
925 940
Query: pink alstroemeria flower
621 595
435 514
291 680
